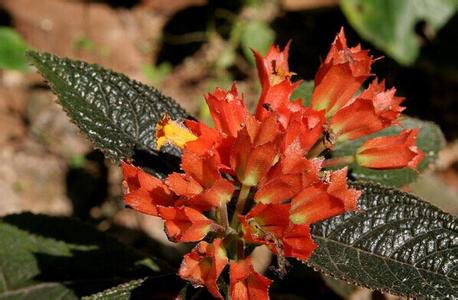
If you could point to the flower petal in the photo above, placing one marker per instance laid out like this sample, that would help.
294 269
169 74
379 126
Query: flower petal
172 132
322 201
340 75
204 264
265 223
287 178
227 110
246 283
144 192
251 162
184 224
219 194
297 242
374 110
304 129
391 152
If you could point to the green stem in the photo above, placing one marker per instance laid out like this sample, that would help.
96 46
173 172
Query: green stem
316 149
224 219
240 206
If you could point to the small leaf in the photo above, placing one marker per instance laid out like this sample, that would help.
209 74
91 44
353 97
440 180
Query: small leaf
395 243
12 50
430 140
304 91
256 35
390 24
116 113
46 257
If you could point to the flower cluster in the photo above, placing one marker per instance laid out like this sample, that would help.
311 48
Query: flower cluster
259 179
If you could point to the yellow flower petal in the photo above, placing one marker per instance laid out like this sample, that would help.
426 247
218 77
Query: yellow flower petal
168 131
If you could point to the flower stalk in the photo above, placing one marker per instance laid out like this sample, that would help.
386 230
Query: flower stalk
240 205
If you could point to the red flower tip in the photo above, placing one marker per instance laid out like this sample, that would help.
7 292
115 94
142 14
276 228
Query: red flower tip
340 75
246 283
297 242
227 110
144 192
275 77
184 224
391 152
273 68
373 110
204 264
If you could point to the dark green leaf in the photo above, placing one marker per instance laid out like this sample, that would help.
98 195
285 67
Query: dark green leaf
122 291
430 139
46 257
391 24
118 115
395 243
12 50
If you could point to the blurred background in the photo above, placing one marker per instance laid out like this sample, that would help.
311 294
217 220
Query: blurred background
186 48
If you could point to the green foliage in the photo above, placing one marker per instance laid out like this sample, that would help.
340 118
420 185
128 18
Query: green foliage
390 24
304 91
46 257
12 50
395 243
256 35
156 74
430 139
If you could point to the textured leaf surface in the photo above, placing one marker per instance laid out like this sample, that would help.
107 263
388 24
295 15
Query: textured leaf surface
390 24
46 257
394 243
120 292
118 115
430 139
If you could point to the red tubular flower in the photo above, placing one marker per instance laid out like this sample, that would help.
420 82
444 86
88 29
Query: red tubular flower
287 178
274 74
390 152
227 110
219 194
373 110
324 200
304 129
246 283
340 76
204 264
144 192
270 225
255 150
185 224
265 223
